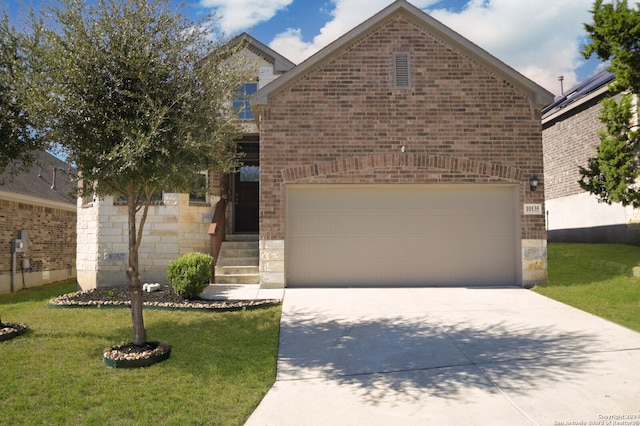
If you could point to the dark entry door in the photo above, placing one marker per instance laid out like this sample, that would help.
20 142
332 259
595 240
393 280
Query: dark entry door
247 189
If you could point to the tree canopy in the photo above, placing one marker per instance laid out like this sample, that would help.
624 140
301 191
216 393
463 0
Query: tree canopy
137 95
19 141
140 99
615 36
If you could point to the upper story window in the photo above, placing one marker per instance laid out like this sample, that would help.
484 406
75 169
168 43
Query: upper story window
401 70
241 104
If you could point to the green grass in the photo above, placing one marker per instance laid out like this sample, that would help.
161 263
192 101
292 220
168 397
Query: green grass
596 278
221 364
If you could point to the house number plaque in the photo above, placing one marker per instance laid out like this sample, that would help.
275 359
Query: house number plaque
533 209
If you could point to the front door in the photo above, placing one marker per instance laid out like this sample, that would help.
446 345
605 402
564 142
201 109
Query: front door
246 199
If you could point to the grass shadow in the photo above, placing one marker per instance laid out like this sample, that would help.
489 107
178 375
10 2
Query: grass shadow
39 294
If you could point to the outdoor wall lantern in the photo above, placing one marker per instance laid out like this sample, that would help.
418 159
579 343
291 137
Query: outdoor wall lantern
533 183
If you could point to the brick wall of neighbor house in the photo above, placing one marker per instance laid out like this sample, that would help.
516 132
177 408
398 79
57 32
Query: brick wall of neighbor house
573 215
345 123
568 143
173 228
51 248
570 138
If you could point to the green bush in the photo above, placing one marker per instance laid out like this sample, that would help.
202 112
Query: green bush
190 273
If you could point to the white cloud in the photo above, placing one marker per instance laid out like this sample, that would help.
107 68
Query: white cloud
238 15
540 39
346 15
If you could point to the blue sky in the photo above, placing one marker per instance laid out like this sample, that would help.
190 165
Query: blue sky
541 39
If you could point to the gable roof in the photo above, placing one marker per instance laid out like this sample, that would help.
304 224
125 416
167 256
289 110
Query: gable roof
539 96
592 87
280 63
36 184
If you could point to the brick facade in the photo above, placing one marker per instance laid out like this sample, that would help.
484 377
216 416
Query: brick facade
40 201
51 246
569 142
345 123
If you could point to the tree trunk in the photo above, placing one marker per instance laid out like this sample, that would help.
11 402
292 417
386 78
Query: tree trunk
133 276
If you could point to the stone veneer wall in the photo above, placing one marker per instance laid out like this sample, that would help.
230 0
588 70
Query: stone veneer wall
51 247
173 228
271 263
345 123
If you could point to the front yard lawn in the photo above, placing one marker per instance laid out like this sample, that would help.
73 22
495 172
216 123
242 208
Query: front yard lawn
596 278
221 365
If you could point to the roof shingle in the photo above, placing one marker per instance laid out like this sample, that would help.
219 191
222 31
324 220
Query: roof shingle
38 180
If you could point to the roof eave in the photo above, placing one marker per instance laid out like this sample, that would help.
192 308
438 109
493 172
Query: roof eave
280 63
554 114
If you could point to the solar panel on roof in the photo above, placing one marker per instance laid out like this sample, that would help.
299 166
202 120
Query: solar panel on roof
582 89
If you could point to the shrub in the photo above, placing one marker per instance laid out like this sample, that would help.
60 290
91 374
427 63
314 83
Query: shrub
190 273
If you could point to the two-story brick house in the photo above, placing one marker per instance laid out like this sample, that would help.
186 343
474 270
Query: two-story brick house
401 154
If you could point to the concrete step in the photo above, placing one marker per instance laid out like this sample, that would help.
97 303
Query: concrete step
239 259
242 245
241 237
226 252
237 270
238 279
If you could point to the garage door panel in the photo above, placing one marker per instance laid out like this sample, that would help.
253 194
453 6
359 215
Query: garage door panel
401 235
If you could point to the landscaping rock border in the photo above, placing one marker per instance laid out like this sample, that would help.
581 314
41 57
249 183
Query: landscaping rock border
164 298
10 330
133 356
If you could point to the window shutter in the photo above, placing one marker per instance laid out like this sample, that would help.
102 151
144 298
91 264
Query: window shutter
401 70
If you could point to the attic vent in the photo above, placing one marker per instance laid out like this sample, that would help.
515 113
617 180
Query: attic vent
401 70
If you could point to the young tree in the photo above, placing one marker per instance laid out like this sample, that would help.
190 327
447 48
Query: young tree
138 96
615 35
19 141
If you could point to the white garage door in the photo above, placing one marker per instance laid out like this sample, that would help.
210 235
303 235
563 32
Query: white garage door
401 235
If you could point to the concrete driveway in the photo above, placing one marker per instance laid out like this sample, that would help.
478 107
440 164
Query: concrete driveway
448 356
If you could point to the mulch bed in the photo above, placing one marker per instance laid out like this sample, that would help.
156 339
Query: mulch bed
9 330
163 298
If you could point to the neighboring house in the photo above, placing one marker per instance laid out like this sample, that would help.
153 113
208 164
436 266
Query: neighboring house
179 223
401 154
40 201
570 137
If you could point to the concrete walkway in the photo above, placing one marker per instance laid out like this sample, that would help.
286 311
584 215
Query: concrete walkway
448 356
240 292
